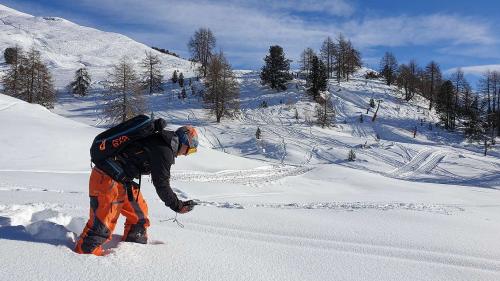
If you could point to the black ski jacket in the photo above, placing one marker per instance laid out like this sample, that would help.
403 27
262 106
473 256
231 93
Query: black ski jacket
153 155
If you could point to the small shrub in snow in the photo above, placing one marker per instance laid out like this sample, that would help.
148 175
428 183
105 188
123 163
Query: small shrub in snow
351 156
183 93
308 119
258 133
372 103
325 114
263 104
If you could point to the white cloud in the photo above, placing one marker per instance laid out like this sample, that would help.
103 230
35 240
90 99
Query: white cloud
246 29
331 7
477 51
475 69
419 30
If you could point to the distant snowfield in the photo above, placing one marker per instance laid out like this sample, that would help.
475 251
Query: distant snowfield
288 207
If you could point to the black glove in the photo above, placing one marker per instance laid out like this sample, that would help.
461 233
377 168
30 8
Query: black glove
186 206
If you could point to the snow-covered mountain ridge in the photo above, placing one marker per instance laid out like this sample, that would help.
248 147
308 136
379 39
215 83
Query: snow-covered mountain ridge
66 46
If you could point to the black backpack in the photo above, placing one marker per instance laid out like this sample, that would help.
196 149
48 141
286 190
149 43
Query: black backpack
111 142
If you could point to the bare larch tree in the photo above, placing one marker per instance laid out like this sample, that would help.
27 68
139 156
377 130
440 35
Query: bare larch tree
222 89
201 46
151 78
124 93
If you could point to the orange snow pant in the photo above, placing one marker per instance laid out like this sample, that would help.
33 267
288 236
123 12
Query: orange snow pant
108 199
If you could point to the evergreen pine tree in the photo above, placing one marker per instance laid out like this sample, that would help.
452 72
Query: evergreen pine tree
473 127
13 79
181 80
276 71
432 81
10 54
183 93
81 85
174 77
317 80
445 105
389 68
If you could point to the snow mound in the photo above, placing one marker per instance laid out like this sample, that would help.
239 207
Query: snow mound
38 222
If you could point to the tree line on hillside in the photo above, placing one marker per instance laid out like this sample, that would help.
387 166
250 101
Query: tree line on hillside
27 77
165 51
337 59
126 84
477 114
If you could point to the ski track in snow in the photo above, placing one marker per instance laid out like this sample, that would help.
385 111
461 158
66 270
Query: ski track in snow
42 222
4 107
250 176
353 247
445 209
423 162
43 171
10 187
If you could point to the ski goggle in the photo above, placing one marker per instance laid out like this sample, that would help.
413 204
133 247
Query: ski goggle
190 150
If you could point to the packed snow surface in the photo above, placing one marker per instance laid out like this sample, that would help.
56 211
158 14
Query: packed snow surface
286 207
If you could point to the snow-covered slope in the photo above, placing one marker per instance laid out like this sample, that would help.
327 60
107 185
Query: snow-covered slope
386 146
66 46
255 222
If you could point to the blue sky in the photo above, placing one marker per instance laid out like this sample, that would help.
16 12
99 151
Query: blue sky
455 33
